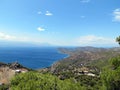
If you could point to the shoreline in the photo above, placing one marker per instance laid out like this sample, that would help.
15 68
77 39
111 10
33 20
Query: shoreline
60 52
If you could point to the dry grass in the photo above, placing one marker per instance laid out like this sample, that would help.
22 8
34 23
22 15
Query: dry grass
6 74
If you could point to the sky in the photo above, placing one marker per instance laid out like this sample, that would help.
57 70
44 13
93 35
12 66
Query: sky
60 22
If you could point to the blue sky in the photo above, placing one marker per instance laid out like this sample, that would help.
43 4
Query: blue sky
60 22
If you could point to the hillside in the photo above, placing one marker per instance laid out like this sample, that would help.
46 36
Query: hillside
86 55
82 59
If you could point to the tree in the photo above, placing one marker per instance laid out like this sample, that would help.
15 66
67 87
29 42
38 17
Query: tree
38 81
118 40
111 75
115 62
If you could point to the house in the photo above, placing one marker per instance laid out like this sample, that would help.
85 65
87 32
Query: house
91 74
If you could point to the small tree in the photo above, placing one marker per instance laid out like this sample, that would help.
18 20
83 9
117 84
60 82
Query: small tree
118 40
110 76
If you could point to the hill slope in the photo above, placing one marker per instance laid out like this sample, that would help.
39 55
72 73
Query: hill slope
80 59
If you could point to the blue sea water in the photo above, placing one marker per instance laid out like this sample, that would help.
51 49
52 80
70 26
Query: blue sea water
31 57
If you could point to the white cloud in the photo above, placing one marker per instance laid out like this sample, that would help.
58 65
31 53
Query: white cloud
92 40
4 36
84 1
40 29
7 37
48 13
116 14
11 38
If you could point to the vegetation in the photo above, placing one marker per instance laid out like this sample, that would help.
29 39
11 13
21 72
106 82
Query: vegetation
109 79
37 81
90 56
111 75
91 83
118 40
4 87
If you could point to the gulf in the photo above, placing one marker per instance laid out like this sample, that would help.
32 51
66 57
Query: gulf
31 57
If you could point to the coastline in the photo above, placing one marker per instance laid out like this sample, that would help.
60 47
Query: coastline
57 61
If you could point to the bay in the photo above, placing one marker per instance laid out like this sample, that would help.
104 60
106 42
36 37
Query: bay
31 57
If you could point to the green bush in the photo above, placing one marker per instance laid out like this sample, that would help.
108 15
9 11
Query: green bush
4 87
111 75
37 81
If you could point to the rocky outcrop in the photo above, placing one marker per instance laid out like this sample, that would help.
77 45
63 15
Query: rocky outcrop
7 71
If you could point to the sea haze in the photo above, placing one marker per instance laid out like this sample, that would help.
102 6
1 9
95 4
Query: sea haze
31 57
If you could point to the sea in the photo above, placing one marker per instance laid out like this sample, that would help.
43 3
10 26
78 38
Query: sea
31 57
